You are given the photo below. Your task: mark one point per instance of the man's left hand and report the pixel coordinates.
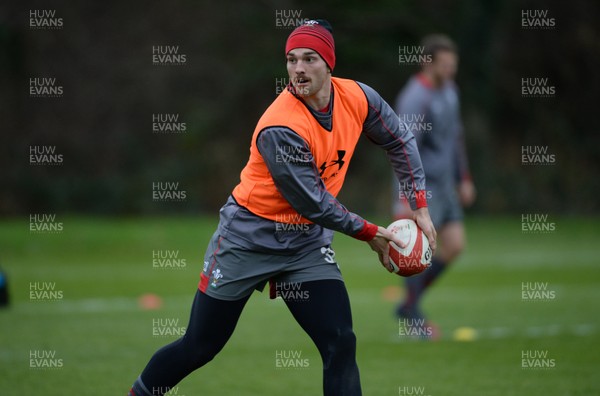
(423, 220)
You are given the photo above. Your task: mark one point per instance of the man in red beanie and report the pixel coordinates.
(277, 226)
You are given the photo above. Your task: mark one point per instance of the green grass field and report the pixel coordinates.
(102, 338)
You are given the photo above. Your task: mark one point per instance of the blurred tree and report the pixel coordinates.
(102, 124)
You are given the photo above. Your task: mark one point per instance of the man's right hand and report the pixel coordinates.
(381, 245)
(467, 193)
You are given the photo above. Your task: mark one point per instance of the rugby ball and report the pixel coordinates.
(416, 256)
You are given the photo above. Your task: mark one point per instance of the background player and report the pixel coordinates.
(299, 155)
(429, 107)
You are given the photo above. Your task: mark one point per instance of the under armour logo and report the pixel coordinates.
(339, 162)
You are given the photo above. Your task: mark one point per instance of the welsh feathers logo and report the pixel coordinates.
(216, 276)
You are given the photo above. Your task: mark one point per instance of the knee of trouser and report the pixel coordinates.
(343, 341)
(198, 354)
(340, 349)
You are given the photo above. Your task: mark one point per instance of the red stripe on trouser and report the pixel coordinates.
(203, 284)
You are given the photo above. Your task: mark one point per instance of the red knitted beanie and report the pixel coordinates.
(316, 37)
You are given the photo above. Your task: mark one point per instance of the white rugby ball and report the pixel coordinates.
(416, 256)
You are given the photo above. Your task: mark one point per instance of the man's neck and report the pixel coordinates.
(320, 99)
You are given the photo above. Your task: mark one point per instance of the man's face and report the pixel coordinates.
(444, 66)
(308, 72)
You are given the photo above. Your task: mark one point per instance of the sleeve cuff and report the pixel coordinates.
(421, 199)
(367, 233)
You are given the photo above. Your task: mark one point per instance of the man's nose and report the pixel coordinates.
(299, 68)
